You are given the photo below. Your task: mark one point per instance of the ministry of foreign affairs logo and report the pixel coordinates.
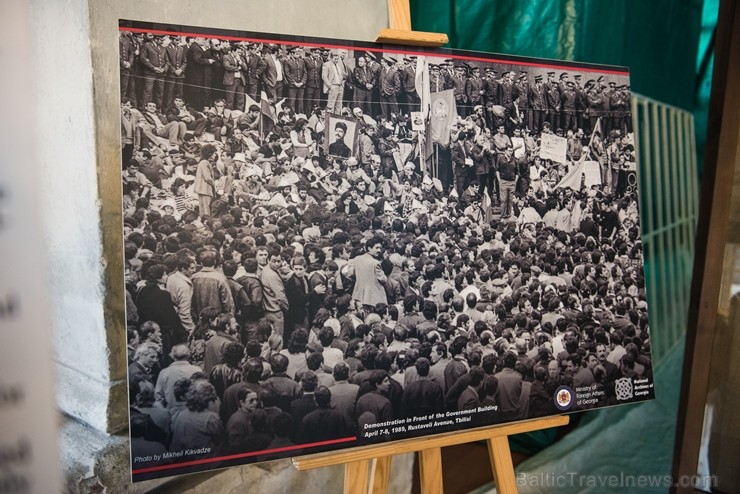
(623, 388)
(440, 109)
(564, 398)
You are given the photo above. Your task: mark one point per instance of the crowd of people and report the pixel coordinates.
(282, 291)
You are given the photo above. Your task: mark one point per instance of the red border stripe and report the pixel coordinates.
(379, 50)
(204, 461)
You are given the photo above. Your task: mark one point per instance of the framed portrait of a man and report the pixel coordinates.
(340, 136)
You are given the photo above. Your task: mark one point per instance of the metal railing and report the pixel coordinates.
(668, 188)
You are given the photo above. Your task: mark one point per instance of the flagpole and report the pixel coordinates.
(591, 139)
(436, 160)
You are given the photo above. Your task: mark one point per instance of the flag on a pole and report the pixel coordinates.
(248, 101)
(596, 127)
(583, 169)
(442, 114)
(279, 107)
(486, 204)
(266, 108)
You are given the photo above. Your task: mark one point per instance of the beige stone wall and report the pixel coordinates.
(76, 63)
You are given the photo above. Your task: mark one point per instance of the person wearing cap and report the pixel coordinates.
(362, 80)
(295, 78)
(251, 71)
(458, 81)
(374, 67)
(355, 173)
(312, 94)
(506, 89)
(609, 100)
(522, 89)
(552, 97)
(154, 58)
(563, 81)
(339, 146)
(622, 113)
(177, 58)
(250, 187)
(436, 79)
(595, 99)
(474, 89)
(390, 87)
(490, 88)
(272, 73)
(411, 99)
(569, 100)
(127, 56)
(618, 106)
(538, 104)
(581, 102)
(333, 75)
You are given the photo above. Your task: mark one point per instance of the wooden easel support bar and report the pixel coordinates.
(367, 468)
(400, 33)
(367, 453)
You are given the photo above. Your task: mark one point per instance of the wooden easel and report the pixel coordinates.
(367, 468)
(400, 33)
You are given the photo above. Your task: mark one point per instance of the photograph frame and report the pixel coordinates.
(352, 134)
(280, 190)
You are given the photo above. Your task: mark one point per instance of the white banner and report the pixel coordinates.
(553, 148)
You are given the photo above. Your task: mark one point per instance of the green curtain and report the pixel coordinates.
(656, 39)
(663, 42)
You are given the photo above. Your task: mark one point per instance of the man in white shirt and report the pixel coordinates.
(333, 74)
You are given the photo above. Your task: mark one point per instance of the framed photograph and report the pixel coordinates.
(474, 257)
(341, 134)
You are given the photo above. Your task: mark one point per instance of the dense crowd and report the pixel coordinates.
(283, 290)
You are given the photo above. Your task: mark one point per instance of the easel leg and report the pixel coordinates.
(380, 475)
(501, 464)
(356, 477)
(430, 471)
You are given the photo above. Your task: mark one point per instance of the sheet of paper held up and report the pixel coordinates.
(28, 435)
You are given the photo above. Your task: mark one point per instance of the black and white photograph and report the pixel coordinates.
(331, 244)
(341, 136)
